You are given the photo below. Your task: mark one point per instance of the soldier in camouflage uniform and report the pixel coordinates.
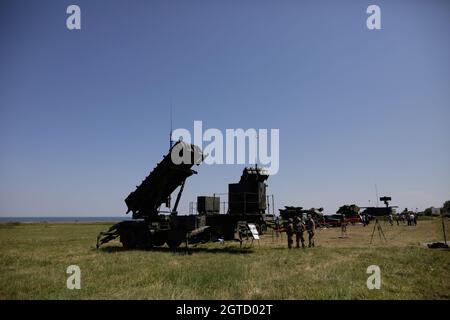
(343, 226)
(311, 228)
(290, 232)
(299, 229)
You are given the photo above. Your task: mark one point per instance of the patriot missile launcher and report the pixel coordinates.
(150, 226)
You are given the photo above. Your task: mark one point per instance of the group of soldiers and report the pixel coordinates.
(297, 226)
(405, 217)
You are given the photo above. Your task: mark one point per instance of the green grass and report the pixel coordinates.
(34, 258)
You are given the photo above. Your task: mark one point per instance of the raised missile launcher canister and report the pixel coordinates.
(149, 228)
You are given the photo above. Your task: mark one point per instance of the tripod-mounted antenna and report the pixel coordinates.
(377, 224)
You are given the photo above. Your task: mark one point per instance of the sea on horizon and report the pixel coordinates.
(42, 219)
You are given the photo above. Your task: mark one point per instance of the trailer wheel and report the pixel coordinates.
(263, 228)
(128, 239)
(159, 239)
(143, 240)
(173, 244)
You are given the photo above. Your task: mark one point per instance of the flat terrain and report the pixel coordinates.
(34, 258)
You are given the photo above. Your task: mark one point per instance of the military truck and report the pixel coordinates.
(150, 227)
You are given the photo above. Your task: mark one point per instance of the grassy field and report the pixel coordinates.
(34, 258)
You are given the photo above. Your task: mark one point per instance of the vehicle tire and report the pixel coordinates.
(173, 244)
(263, 228)
(159, 239)
(143, 240)
(128, 238)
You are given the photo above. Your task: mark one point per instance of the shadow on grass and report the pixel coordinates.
(293, 248)
(181, 250)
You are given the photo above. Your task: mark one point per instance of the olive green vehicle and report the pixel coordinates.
(150, 227)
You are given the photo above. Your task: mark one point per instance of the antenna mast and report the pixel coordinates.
(170, 133)
(376, 192)
(169, 198)
(257, 148)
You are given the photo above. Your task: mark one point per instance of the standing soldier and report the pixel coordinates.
(343, 226)
(405, 216)
(290, 232)
(410, 218)
(299, 229)
(414, 219)
(277, 226)
(311, 227)
(391, 219)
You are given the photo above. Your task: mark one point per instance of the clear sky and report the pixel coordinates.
(84, 114)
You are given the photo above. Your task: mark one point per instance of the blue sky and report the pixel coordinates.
(84, 115)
